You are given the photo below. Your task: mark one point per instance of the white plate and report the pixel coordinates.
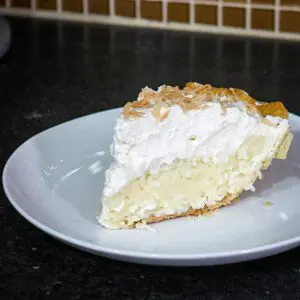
(55, 180)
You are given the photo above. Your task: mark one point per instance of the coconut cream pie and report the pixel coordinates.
(181, 152)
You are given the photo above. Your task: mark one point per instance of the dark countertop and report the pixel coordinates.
(58, 71)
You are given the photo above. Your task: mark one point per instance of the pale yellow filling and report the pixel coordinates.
(190, 184)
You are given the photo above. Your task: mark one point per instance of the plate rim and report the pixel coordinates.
(118, 254)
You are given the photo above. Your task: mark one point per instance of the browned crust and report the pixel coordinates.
(275, 109)
(194, 212)
(196, 96)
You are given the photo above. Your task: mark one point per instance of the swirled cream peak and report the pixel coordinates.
(198, 122)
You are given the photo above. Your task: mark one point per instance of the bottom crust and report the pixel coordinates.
(206, 210)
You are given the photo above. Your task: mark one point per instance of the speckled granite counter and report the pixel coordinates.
(58, 71)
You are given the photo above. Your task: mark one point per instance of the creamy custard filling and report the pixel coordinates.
(187, 185)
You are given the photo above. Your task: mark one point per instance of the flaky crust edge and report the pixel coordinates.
(207, 210)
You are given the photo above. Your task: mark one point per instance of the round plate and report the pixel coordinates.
(55, 180)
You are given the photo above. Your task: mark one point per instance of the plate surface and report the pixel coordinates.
(55, 180)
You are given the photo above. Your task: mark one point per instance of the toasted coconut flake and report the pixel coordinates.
(196, 96)
(191, 84)
(243, 96)
(183, 105)
(164, 115)
(136, 114)
(252, 108)
(233, 94)
(141, 103)
(197, 105)
(126, 110)
(188, 100)
(149, 94)
(156, 112)
(274, 108)
(129, 112)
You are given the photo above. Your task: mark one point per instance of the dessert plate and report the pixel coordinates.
(55, 180)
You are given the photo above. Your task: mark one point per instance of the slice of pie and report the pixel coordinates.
(180, 152)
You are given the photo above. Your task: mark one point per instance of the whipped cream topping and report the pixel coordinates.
(145, 144)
